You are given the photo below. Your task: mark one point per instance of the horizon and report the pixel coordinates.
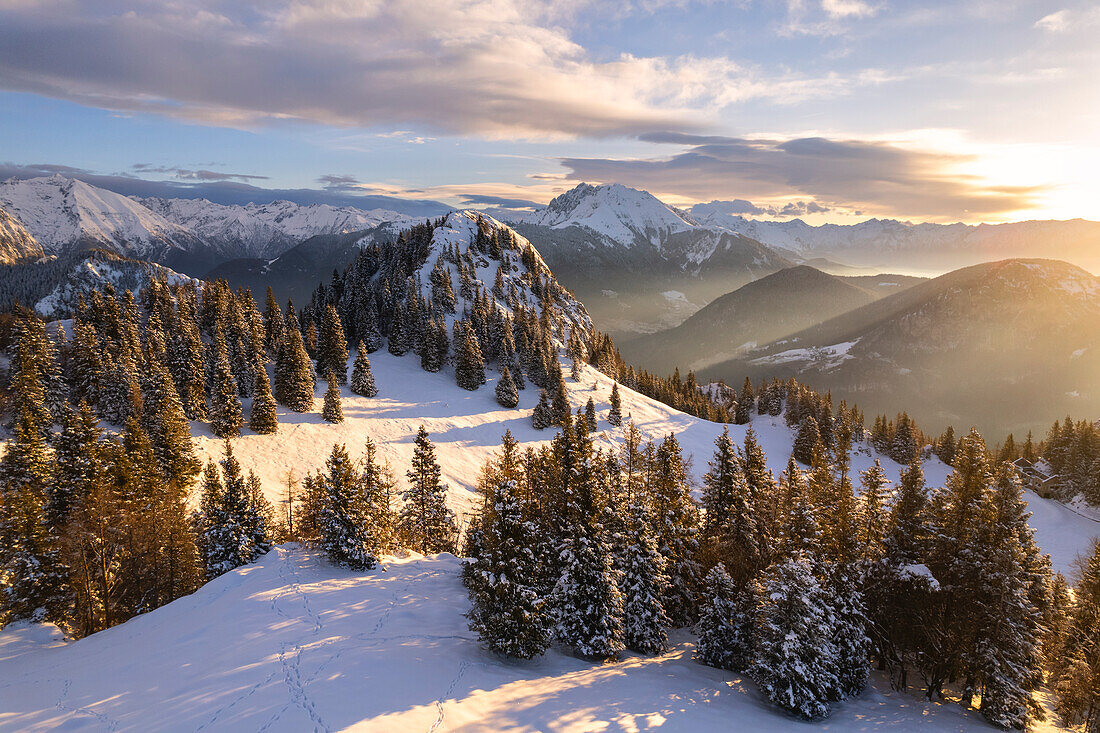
(835, 111)
(307, 197)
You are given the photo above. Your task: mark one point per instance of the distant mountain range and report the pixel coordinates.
(756, 314)
(1002, 345)
(64, 215)
(642, 265)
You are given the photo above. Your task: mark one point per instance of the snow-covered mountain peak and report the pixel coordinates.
(266, 230)
(61, 212)
(625, 215)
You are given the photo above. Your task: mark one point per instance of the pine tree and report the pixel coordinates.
(226, 522)
(590, 415)
(34, 583)
(726, 622)
(294, 382)
(587, 601)
(433, 352)
(362, 379)
(332, 347)
(170, 432)
(79, 464)
(331, 412)
(262, 417)
(644, 585)
(342, 519)
(804, 442)
(469, 364)
(615, 415)
(542, 418)
(745, 400)
(426, 523)
(873, 510)
(506, 611)
(675, 521)
(794, 655)
(226, 416)
(729, 522)
(506, 393)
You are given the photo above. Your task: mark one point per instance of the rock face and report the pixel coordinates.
(16, 243)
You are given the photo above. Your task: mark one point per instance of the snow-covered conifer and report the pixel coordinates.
(332, 412)
(506, 393)
(362, 379)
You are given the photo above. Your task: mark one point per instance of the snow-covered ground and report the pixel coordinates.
(295, 644)
(466, 428)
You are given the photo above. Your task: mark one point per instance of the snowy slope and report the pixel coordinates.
(466, 428)
(64, 214)
(624, 215)
(16, 243)
(265, 230)
(295, 644)
(94, 272)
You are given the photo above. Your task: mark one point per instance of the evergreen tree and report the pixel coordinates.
(79, 464)
(615, 415)
(294, 382)
(433, 352)
(794, 664)
(804, 442)
(542, 417)
(262, 417)
(343, 515)
(506, 393)
(725, 627)
(675, 521)
(331, 411)
(226, 522)
(745, 400)
(226, 416)
(506, 611)
(644, 586)
(590, 415)
(170, 432)
(469, 364)
(332, 347)
(873, 510)
(33, 578)
(426, 523)
(362, 379)
(729, 522)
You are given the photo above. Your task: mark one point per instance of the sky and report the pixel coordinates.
(830, 110)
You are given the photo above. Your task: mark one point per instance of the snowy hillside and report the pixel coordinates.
(94, 272)
(16, 243)
(466, 428)
(294, 644)
(64, 214)
(624, 215)
(265, 230)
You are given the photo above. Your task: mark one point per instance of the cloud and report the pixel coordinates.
(881, 177)
(1055, 22)
(496, 68)
(337, 182)
(740, 207)
(848, 8)
(227, 191)
(477, 200)
(196, 175)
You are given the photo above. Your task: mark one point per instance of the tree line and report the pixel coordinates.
(799, 582)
